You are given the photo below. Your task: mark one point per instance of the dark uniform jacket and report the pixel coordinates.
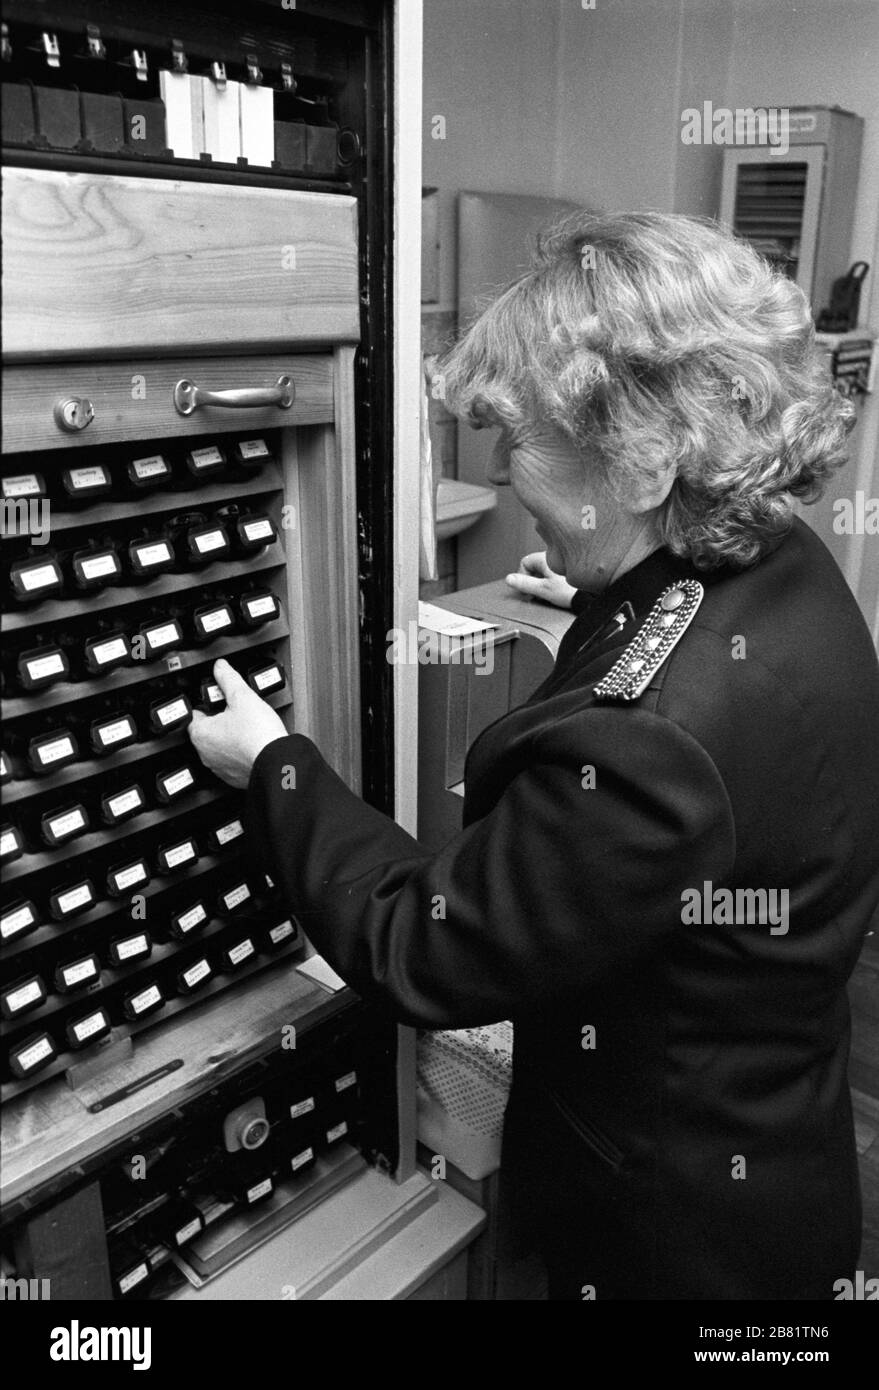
(680, 1122)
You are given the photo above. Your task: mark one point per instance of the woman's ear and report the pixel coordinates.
(652, 494)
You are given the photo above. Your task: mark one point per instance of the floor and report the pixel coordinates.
(864, 1077)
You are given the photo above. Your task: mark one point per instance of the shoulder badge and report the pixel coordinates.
(657, 638)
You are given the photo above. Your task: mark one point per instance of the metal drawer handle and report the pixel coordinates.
(188, 397)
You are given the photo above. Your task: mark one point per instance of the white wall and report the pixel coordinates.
(826, 52)
(491, 70)
(546, 97)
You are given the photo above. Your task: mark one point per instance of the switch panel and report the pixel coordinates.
(127, 892)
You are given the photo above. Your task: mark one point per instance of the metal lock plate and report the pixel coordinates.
(74, 414)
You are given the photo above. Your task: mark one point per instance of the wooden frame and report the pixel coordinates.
(103, 265)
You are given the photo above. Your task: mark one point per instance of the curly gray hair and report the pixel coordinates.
(658, 341)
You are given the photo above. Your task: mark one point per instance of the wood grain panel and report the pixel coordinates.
(134, 399)
(102, 265)
(319, 479)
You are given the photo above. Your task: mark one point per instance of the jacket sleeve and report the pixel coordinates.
(562, 886)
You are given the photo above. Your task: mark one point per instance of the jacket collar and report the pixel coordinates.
(597, 626)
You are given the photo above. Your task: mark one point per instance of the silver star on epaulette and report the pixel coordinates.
(657, 638)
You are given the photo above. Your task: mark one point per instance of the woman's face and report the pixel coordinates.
(590, 537)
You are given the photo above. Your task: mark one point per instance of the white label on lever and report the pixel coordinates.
(225, 833)
(156, 554)
(162, 636)
(253, 449)
(40, 577)
(66, 824)
(83, 970)
(151, 467)
(196, 973)
(241, 952)
(44, 666)
(177, 782)
(126, 801)
(206, 458)
(98, 566)
(75, 898)
(87, 1026)
(180, 854)
(17, 921)
(37, 1052)
(114, 650)
(8, 842)
(18, 999)
(236, 896)
(52, 752)
(127, 878)
(89, 477)
(175, 710)
(260, 607)
(258, 530)
(134, 946)
(187, 920)
(112, 733)
(208, 541)
(145, 999)
(186, 1232)
(219, 617)
(23, 485)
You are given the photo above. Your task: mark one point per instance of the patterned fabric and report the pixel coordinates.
(464, 1080)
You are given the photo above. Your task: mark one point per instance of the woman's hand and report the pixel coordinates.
(229, 743)
(536, 579)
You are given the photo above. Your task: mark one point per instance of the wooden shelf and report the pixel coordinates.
(176, 1005)
(72, 692)
(28, 788)
(160, 501)
(129, 830)
(90, 606)
(113, 976)
(48, 1134)
(107, 908)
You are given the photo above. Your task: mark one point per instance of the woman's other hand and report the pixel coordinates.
(229, 743)
(537, 580)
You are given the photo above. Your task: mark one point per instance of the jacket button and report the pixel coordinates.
(673, 600)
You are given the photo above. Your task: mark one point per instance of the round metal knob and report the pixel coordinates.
(254, 1133)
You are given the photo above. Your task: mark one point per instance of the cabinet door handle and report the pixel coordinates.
(188, 397)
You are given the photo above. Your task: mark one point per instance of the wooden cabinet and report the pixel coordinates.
(123, 277)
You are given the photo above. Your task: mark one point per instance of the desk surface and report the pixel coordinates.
(497, 603)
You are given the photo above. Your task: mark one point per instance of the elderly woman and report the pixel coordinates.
(670, 855)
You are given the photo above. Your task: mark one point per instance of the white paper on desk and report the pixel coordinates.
(449, 624)
(317, 969)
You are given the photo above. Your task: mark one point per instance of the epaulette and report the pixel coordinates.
(657, 638)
